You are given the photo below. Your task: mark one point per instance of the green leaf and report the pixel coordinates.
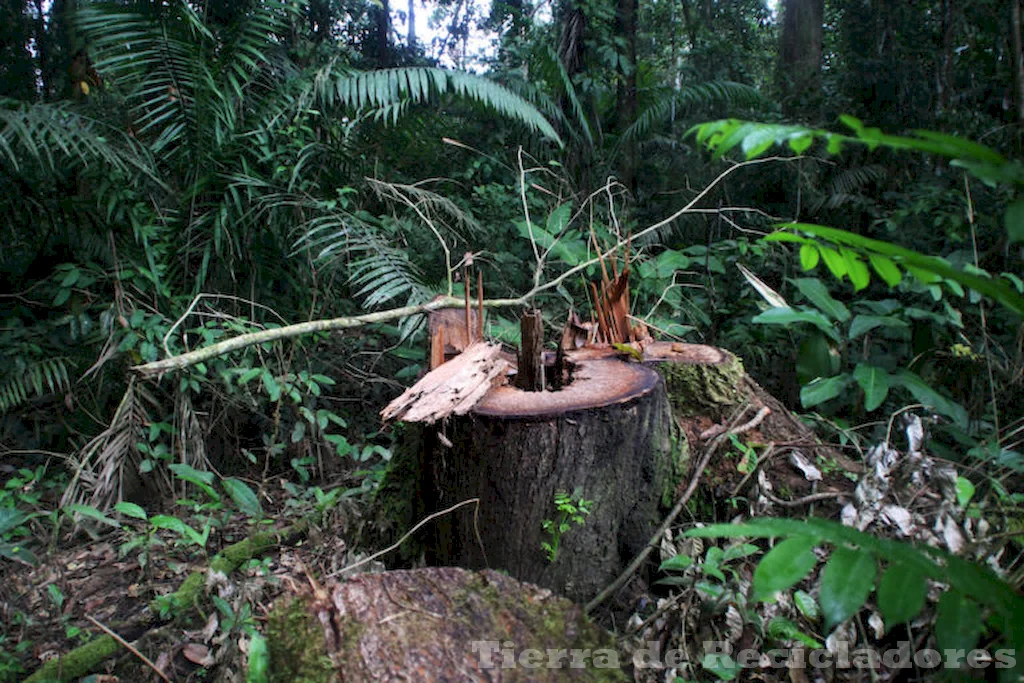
(816, 358)
(886, 269)
(243, 496)
(92, 513)
(821, 390)
(131, 510)
(858, 271)
(925, 394)
(846, 582)
(809, 256)
(958, 623)
(1015, 221)
(271, 385)
(789, 316)
(862, 324)
(806, 604)
(964, 491)
(801, 143)
(901, 594)
(835, 262)
(817, 293)
(721, 665)
(875, 383)
(676, 563)
(259, 660)
(784, 565)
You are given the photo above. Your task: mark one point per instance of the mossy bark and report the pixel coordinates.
(435, 624)
(701, 389)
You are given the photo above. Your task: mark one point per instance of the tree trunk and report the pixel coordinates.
(800, 53)
(1018, 61)
(626, 90)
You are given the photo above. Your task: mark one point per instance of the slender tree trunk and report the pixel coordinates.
(800, 52)
(944, 70)
(625, 24)
(1018, 61)
(412, 24)
(382, 34)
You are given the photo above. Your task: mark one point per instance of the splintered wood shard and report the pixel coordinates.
(454, 388)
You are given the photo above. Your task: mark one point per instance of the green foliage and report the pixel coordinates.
(852, 571)
(570, 511)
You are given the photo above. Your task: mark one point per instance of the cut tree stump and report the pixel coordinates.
(621, 433)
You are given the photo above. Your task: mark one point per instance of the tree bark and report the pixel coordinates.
(518, 449)
(626, 90)
(1018, 61)
(800, 53)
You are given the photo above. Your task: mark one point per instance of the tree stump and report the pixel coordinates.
(606, 437)
(621, 433)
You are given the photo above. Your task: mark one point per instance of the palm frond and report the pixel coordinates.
(686, 100)
(105, 466)
(384, 87)
(845, 187)
(57, 136)
(40, 378)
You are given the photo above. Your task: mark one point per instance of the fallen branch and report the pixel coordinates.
(85, 658)
(131, 648)
(251, 339)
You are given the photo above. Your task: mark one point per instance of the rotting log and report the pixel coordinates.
(435, 624)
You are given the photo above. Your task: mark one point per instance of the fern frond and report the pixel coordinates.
(845, 187)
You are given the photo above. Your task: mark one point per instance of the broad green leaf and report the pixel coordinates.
(756, 143)
(676, 563)
(964, 491)
(925, 394)
(806, 604)
(835, 262)
(721, 665)
(1015, 221)
(92, 513)
(271, 385)
(559, 218)
(886, 269)
(203, 480)
(817, 293)
(821, 390)
(809, 256)
(958, 623)
(858, 271)
(243, 496)
(862, 324)
(901, 594)
(846, 582)
(789, 316)
(171, 524)
(816, 358)
(259, 660)
(784, 565)
(739, 551)
(875, 383)
(131, 510)
(801, 142)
